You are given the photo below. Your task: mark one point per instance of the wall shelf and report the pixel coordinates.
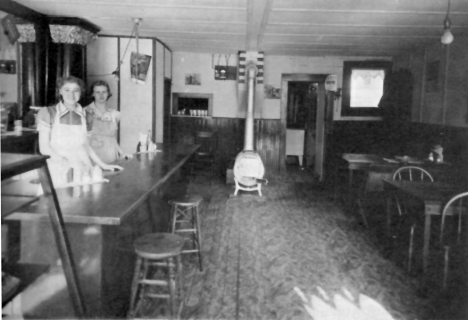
(192, 101)
(187, 116)
(14, 164)
(27, 273)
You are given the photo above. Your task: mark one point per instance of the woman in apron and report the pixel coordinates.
(63, 134)
(105, 122)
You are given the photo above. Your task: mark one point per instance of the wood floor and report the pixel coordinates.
(261, 252)
(296, 254)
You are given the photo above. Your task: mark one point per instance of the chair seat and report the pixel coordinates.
(157, 246)
(186, 200)
(204, 158)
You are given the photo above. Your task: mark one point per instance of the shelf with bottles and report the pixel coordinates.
(192, 114)
(192, 104)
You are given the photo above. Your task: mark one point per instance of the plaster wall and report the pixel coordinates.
(225, 92)
(440, 96)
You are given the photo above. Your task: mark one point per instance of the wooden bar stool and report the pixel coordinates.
(158, 265)
(184, 220)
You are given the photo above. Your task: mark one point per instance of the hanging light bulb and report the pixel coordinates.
(447, 36)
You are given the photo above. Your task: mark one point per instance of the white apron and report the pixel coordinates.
(69, 142)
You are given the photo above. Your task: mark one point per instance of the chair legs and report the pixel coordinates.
(411, 248)
(446, 266)
(185, 220)
(361, 212)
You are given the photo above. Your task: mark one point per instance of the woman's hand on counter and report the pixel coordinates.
(112, 167)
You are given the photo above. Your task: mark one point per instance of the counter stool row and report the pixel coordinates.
(159, 256)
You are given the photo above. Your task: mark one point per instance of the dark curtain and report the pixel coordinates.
(397, 97)
(396, 103)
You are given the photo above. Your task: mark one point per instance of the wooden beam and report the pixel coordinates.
(257, 18)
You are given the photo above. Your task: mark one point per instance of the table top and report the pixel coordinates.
(110, 203)
(16, 163)
(428, 192)
(362, 158)
(368, 159)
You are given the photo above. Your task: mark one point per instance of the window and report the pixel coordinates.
(363, 83)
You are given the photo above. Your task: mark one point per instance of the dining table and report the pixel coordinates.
(103, 219)
(362, 161)
(432, 195)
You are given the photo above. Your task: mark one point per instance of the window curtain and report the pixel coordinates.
(397, 97)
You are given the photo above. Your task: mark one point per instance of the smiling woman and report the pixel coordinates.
(105, 121)
(63, 134)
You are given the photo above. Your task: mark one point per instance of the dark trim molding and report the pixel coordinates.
(71, 21)
(20, 11)
(154, 93)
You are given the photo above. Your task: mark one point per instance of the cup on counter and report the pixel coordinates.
(18, 127)
(97, 174)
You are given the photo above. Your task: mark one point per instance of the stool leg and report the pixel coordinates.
(198, 236)
(173, 218)
(171, 283)
(141, 294)
(180, 278)
(136, 276)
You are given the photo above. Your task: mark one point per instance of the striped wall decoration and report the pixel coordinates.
(245, 57)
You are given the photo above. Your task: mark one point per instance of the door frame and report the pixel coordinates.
(319, 145)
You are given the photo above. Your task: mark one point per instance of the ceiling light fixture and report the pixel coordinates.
(447, 36)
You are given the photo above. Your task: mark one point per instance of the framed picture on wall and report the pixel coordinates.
(139, 67)
(193, 79)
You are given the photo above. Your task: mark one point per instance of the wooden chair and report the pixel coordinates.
(410, 173)
(456, 206)
(204, 159)
(157, 251)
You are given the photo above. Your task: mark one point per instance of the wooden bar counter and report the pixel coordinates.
(102, 221)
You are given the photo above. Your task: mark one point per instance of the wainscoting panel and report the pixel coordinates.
(230, 135)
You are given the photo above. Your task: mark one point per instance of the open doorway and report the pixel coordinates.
(301, 116)
(314, 139)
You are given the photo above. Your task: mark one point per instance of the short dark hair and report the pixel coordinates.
(62, 81)
(101, 83)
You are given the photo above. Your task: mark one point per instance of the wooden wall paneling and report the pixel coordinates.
(456, 99)
(230, 133)
(419, 85)
(445, 58)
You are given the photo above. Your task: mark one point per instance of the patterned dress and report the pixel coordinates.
(103, 138)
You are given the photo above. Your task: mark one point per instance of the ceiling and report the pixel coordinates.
(277, 27)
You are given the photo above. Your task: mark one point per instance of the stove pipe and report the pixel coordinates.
(252, 71)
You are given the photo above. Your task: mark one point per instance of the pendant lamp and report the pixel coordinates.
(447, 36)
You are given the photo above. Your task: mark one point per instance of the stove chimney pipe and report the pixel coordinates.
(252, 71)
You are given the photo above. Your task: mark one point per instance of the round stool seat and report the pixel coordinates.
(186, 200)
(158, 245)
